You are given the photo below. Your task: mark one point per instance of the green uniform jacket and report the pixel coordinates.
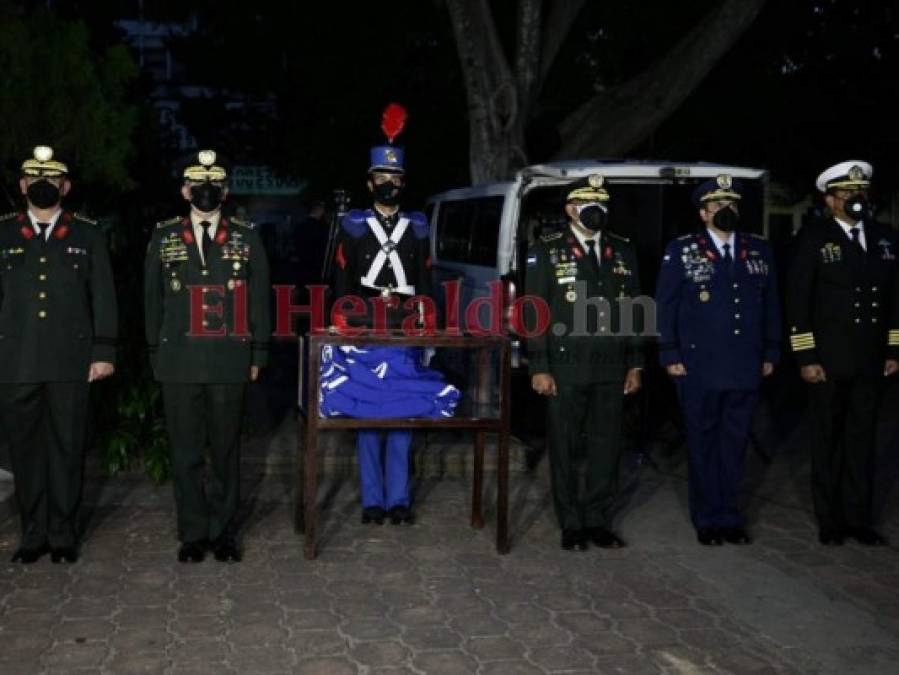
(230, 326)
(557, 264)
(57, 301)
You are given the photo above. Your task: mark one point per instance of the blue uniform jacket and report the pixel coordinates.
(721, 325)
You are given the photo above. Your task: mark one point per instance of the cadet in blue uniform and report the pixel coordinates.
(719, 325)
(383, 252)
(58, 328)
(843, 313)
(205, 362)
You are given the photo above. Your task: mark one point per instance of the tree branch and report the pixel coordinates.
(527, 59)
(558, 25)
(615, 121)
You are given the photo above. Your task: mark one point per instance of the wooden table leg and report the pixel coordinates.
(477, 486)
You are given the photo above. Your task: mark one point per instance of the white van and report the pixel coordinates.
(480, 234)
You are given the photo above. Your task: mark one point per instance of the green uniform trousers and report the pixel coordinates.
(592, 411)
(46, 424)
(200, 416)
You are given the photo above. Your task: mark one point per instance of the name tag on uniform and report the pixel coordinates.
(831, 253)
(72, 250)
(566, 280)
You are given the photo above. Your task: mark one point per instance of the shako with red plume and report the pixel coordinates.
(389, 158)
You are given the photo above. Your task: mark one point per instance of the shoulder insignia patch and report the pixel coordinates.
(550, 236)
(83, 218)
(244, 223)
(169, 222)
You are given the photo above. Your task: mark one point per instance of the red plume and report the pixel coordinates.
(393, 120)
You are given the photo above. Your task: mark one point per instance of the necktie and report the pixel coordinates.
(855, 232)
(43, 230)
(728, 258)
(591, 254)
(207, 241)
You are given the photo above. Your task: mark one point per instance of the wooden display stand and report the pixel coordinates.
(306, 507)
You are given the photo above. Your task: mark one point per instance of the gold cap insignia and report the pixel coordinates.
(43, 153)
(856, 173)
(206, 157)
(725, 182)
(390, 156)
(595, 181)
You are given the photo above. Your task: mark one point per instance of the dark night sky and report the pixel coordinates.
(809, 84)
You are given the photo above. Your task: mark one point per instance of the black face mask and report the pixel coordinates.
(387, 193)
(206, 197)
(856, 207)
(43, 194)
(726, 219)
(593, 217)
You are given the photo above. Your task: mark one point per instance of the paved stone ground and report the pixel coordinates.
(436, 598)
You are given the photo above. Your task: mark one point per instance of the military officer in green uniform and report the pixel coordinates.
(586, 359)
(208, 326)
(58, 328)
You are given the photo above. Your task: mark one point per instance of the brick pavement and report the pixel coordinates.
(435, 597)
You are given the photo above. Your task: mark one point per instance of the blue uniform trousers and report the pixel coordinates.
(384, 471)
(717, 424)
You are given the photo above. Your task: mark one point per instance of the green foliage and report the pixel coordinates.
(58, 90)
(138, 432)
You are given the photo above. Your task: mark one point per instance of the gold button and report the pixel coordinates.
(857, 320)
(736, 316)
(736, 285)
(874, 304)
(42, 295)
(204, 272)
(205, 307)
(205, 289)
(736, 301)
(736, 331)
(874, 288)
(42, 277)
(43, 259)
(205, 324)
(42, 314)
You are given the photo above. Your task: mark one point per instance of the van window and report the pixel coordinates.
(468, 229)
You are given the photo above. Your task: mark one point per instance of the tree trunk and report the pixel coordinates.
(495, 120)
(613, 122)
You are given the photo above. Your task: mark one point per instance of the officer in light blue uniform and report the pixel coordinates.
(383, 253)
(719, 324)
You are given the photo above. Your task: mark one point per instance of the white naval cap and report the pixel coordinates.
(851, 174)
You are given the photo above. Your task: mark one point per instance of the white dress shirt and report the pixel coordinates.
(198, 229)
(583, 239)
(719, 242)
(46, 231)
(847, 228)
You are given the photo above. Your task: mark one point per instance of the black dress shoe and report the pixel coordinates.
(867, 537)
(709, 537)
(736, 535)
(28, 556)
(605, 538)
(830, 537)
(400, 515)
(192, 551)
(574, 540)
(226, 549)
(66, 554)
(373, 514)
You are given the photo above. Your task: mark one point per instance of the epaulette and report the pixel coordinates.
(83, 218)
(419, 222)
(550, 236)
(354, 224)
(9, 216)
(244, 223)
(169, 222)
(619, 237)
